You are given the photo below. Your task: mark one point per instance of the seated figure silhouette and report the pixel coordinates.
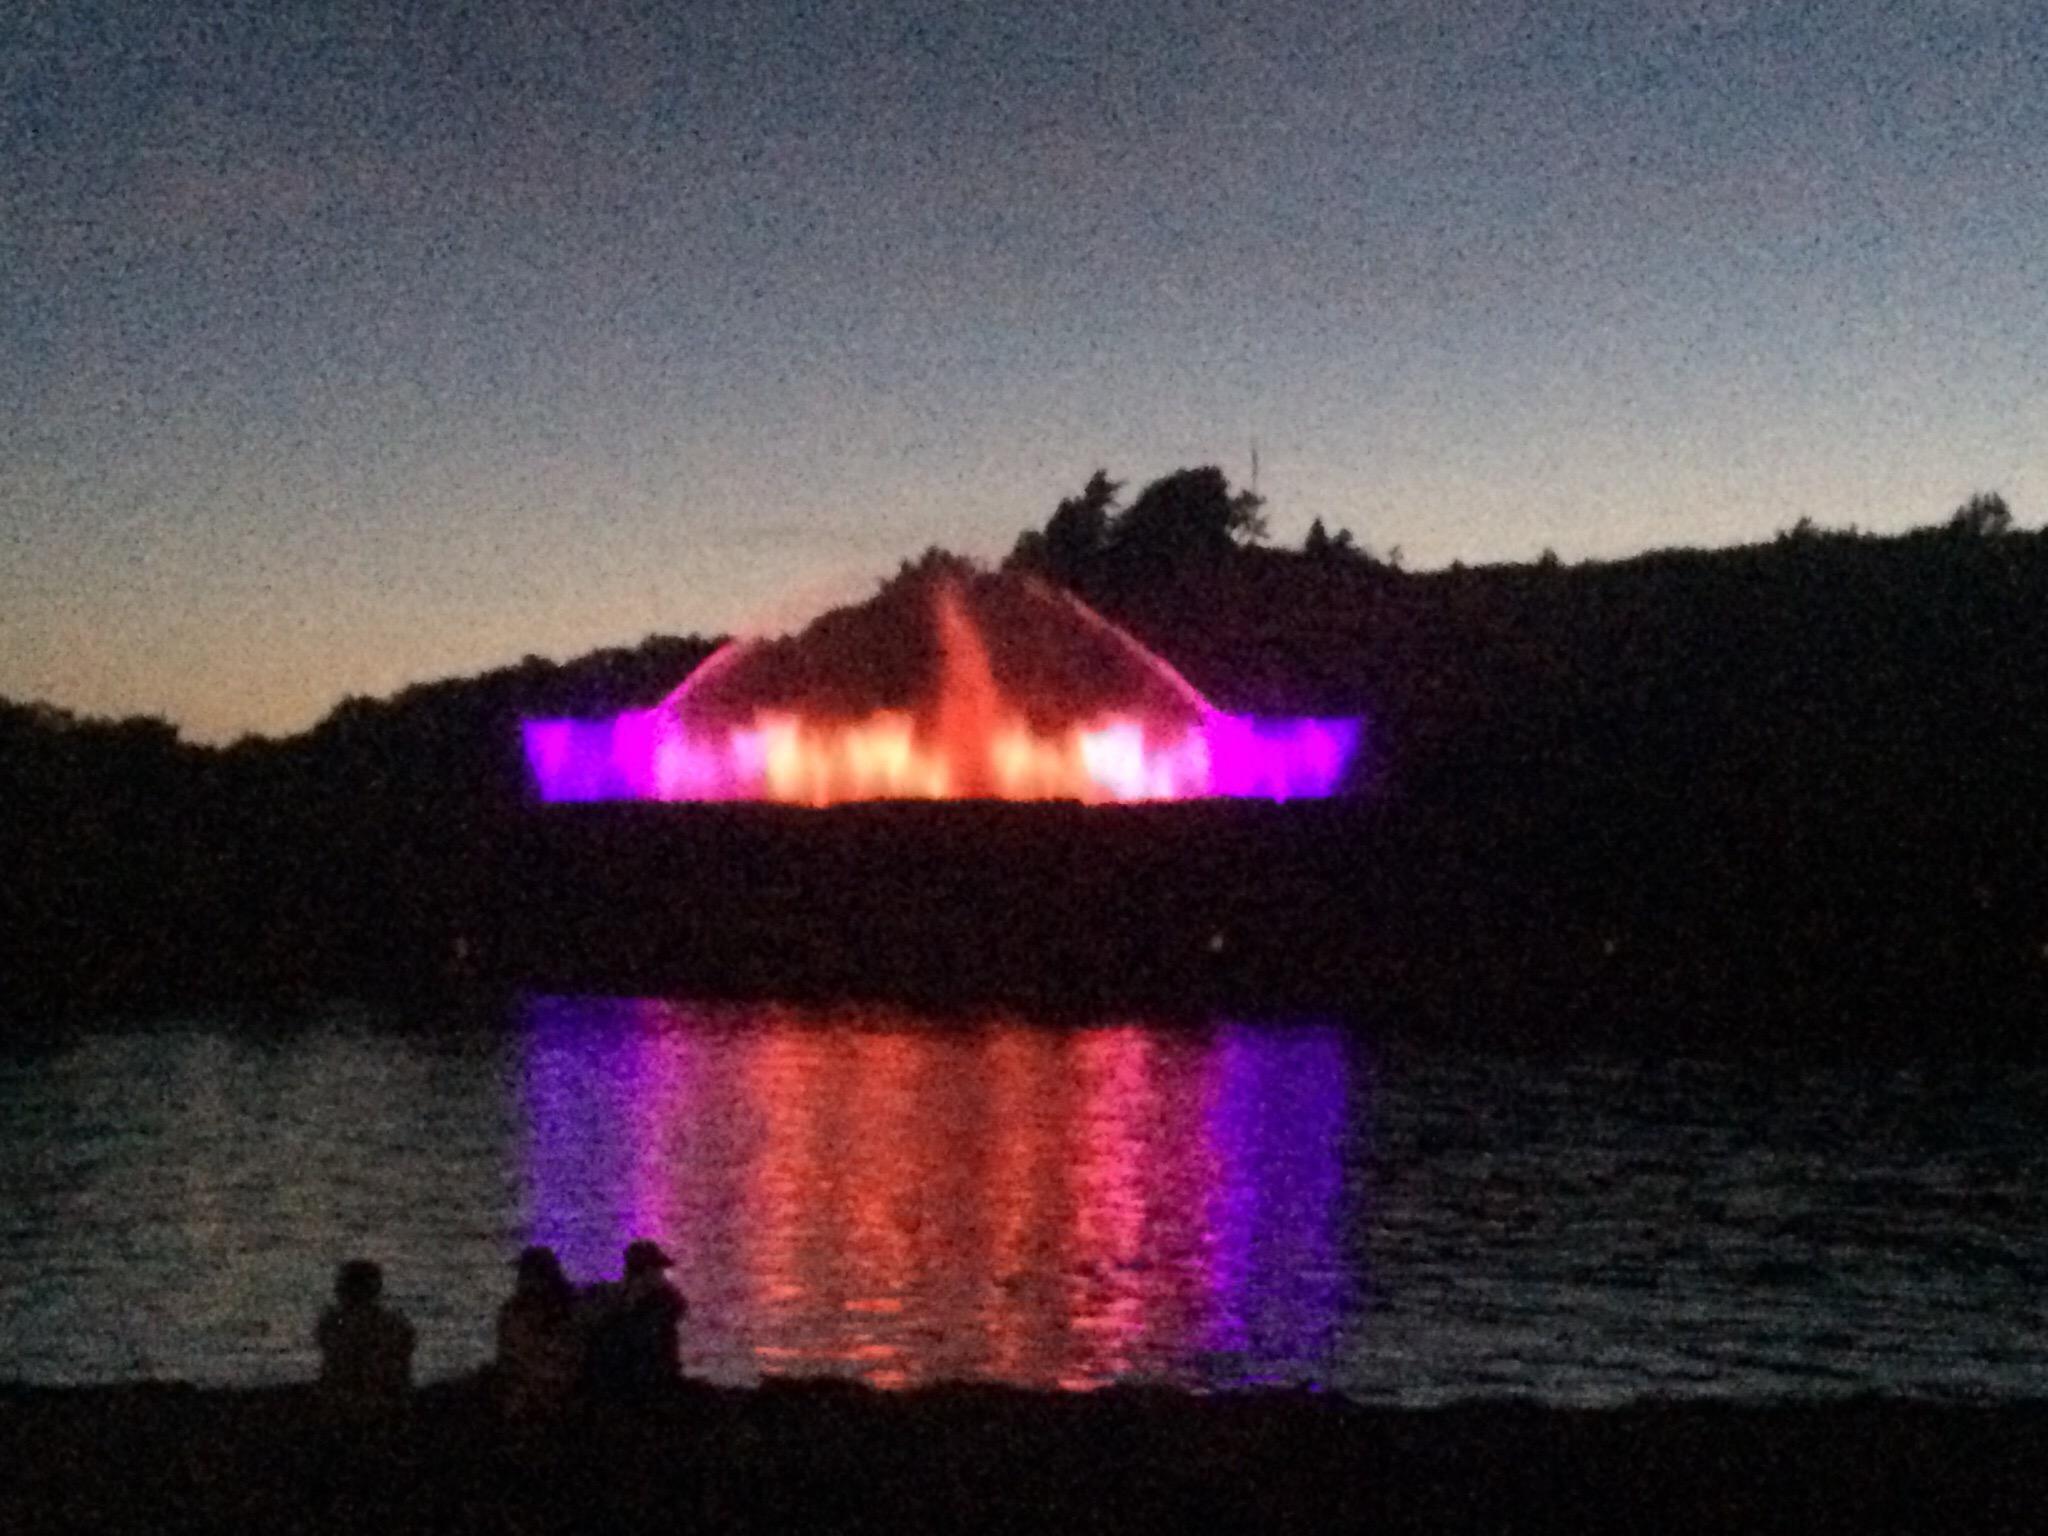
(540, 1350)
(365, 1346)
(633, 1327)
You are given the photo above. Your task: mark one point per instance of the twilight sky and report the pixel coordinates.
(338, 354)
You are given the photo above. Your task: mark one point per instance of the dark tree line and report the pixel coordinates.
(1800, 773)
(145, 868)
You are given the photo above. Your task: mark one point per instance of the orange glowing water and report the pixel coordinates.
(966, 737)
(971, 742)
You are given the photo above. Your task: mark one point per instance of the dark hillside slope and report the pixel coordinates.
(1791, 781)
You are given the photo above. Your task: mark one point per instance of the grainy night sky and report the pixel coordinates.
(341, 353)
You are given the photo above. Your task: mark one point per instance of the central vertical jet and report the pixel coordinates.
(970, 710)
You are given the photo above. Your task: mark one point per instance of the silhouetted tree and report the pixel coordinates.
(1984, 515)
(1189, 515)
(933, 565)
(1074, 536)
(1323, 546)
(1079, 526)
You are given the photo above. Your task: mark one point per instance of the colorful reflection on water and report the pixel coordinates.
(869, 1194)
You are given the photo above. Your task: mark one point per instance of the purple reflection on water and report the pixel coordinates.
(603, 1088)
(1276, 1126)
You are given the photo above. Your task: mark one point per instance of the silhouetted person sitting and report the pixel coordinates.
(540, 1351)
(634, 1326)
(365, 1346)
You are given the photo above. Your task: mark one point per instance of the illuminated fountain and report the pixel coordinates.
(948, 685)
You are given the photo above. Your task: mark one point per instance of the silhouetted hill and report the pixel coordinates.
(1787, 779)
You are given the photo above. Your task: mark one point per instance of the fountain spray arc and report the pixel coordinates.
(966, 738)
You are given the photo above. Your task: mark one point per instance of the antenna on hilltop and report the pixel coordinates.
(1255, 466)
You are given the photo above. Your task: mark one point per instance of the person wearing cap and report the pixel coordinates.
(635, 1326)
(365, 1347)
(540, 1351)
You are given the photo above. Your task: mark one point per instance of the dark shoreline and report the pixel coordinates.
(821, 1455)
(1402, 923)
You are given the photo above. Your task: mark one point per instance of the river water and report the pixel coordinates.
(863, 1192)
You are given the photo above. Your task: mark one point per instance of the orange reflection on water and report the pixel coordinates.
(1021, 1066)
(1109, 1209)
(776, 1075)
(879, 1160)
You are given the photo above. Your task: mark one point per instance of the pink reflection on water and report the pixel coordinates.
(1022, 1067)
(661, 1117)
(884, 1171)
(867, 1194)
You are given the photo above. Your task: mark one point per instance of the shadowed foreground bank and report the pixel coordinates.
(825, 1456)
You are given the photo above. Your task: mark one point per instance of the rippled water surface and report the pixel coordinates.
(867, 1193)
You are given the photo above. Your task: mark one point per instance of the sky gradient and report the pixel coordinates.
(342, 354)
